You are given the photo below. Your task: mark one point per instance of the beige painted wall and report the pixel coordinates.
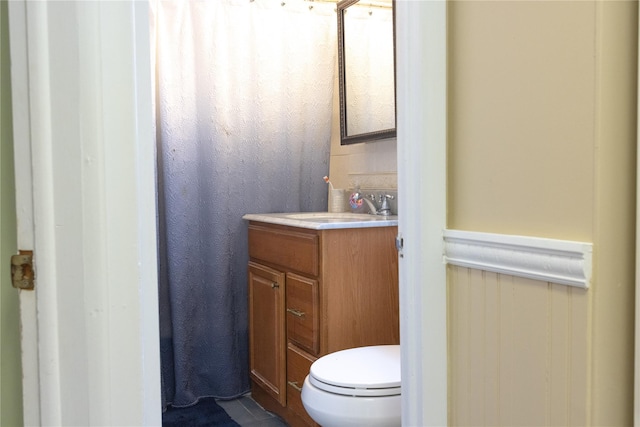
(522, 117)
(10, 369)
(542, 137)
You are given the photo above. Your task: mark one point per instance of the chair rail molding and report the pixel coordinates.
(548, 260)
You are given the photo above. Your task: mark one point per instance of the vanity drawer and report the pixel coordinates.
(302, 312)
(298, 365)
(292, 248)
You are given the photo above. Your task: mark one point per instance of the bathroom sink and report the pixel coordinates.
(325, 220)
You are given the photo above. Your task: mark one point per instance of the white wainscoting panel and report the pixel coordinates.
(549, 260)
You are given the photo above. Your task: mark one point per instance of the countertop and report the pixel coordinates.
(324, 220)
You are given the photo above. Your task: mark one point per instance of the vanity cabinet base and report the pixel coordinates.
(314, 292)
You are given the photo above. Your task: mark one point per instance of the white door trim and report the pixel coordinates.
(24, 204)
(85, 158)
(421, 55)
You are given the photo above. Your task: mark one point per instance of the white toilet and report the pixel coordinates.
(355, 387)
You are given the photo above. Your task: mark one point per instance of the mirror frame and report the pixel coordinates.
(369, 136)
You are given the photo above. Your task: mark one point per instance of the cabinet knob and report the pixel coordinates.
(274, 285)
(295, 312)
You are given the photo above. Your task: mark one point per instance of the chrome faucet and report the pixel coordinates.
(383, 199)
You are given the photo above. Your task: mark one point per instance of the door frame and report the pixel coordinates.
(85, 188)
(125, 201)
(421, 77)
(24, 205)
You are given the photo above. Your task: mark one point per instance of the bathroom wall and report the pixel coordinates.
(542, 142)
(10, 367)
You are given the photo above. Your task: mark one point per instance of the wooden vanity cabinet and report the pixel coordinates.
(314, 292)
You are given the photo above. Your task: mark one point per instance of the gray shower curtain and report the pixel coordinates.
(244, 95)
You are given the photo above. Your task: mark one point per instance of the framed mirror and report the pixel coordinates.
(366, 67)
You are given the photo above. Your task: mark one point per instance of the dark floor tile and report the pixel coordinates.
(246, 412)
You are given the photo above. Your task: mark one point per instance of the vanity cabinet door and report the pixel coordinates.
(267, 330)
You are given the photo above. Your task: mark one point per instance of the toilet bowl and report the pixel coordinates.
(355, 387)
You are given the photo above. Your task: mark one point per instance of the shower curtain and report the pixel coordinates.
(244, 94)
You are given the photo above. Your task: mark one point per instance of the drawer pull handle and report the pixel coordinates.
(295, 312)
(294, 384)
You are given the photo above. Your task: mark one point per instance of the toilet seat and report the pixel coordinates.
(372, 371)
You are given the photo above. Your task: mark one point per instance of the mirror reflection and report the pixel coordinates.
(367, 70)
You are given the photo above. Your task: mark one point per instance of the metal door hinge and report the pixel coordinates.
(22, 275)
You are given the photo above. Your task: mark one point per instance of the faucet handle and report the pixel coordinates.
(384, 200)
(385, 208)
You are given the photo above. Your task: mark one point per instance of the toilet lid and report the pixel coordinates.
(361, 371)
